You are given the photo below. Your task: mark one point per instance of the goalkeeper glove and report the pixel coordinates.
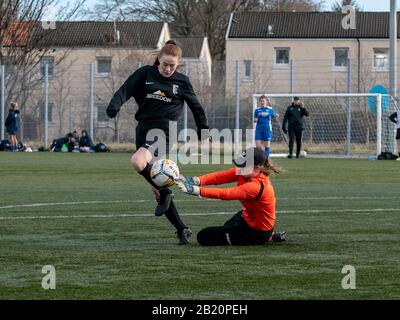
(186, 187)
(191, 180)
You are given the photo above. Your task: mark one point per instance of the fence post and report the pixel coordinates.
(379, 124)
(292, 75)
(46, 106)
(349, 108)
(2, 103)
(237, 126)
(91, 100)
(185, 108)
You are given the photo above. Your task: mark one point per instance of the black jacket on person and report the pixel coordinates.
(85, 140)
(159, 99)
(394, 118)
(294, 116)
(12, 121)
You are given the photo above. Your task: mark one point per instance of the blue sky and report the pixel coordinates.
(368, 5)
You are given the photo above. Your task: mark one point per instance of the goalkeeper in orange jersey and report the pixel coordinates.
(254, 223)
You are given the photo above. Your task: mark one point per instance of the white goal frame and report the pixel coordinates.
(378, 97)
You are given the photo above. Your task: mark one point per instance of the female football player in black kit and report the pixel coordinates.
(160, 92)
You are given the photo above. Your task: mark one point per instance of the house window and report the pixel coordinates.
(101, 112)
(247, 69)
(341, 57)
(282, 56)
(381, 58)
(103, 65)
(50, 62)
(49, 111)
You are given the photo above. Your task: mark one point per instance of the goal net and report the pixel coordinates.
(348, 125)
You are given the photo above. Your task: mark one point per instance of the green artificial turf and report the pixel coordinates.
(91, 217)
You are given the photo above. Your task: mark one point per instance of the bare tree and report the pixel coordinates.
(23, 35)
(338, 5)
(63, 94)
(293, 5)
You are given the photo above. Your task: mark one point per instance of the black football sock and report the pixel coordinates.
(173, 217)
(146, 174)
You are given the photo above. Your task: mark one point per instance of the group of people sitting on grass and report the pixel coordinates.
(71, 142)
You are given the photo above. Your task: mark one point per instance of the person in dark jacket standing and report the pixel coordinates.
(395, 118)
(294, 116)
(160, 92)
(12, 124)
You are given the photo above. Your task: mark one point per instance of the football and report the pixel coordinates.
(164, 172)
(303, 154)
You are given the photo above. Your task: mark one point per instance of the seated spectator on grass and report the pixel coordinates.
(85, 142)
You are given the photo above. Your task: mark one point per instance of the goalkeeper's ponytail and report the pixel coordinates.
(269, 170)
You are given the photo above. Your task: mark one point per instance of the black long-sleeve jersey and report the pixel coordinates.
(160, 99)
(294, 116)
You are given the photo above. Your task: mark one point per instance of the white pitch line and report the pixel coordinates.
(32, 205)
(139, 215)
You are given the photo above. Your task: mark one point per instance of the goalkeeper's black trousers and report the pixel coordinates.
(234, 232)
(298, 134)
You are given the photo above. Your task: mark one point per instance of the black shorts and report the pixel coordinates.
(398, 134)
(11, 132)
(146, 139)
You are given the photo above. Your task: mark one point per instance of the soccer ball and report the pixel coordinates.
(303, 154)
(164, 172)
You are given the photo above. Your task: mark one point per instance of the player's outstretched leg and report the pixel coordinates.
(140, 161)
(182, 231)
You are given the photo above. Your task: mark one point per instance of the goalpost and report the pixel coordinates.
(346, 125)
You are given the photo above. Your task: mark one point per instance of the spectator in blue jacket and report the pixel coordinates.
(12, 125)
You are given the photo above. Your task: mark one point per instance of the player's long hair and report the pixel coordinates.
(171, 49)
(268, 169)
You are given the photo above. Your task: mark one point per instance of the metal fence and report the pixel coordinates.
(57, 99)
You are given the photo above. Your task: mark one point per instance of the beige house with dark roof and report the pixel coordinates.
(197, 61)
(115, 50)
(307, 52)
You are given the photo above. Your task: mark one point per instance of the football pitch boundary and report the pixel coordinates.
(46, 204)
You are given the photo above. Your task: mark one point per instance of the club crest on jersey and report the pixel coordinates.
(175, 89)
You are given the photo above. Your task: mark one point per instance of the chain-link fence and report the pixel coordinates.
(76, 95)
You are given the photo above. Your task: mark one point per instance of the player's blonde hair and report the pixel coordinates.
(264, 97)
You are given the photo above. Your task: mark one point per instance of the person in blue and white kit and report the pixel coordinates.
(262, 117)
